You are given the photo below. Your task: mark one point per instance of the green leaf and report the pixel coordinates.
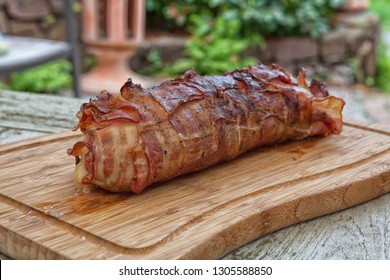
(222, 29)
(50, 77)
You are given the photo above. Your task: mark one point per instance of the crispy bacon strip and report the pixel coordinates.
(140, 136)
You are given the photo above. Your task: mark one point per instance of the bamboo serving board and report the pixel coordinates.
(203, 215)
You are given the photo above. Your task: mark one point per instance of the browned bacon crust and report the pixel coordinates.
(142, 136)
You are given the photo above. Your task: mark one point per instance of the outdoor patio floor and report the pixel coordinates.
(364, 104)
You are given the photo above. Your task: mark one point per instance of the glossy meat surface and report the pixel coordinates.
(142, 136)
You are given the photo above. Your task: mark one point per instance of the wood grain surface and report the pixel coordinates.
(204, 215)
(24, 115)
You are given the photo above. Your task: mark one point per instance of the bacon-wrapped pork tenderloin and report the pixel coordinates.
(142, 136)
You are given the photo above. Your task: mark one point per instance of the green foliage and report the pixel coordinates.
(382, 8)
(3, 86)
(47, 78)
(382, 80)
(49, 20)
(214, 47)
(155, 64)
(222, 29)
(275, 17)
(89, 63)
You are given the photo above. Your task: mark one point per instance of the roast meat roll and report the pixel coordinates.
(142, 136)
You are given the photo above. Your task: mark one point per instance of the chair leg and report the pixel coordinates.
(76, 71)
(71, 27)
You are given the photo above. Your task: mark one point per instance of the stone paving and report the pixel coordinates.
(364, 104)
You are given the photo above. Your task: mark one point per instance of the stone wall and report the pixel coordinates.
(34, 18)
(344, 55)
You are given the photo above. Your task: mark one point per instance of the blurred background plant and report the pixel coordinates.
(52, 77)
(276, 17)
(382, 79)
(382, 9)
(214, 47)
(48, 78)
(222, 29)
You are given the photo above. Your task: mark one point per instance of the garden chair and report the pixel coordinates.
(27, 52)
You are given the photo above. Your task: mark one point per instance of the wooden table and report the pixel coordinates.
(360, 232)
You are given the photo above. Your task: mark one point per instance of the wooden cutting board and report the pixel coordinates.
(203, 215)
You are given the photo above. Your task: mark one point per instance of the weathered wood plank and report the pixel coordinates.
(359, 233)
(24, 115)
(11, 134)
